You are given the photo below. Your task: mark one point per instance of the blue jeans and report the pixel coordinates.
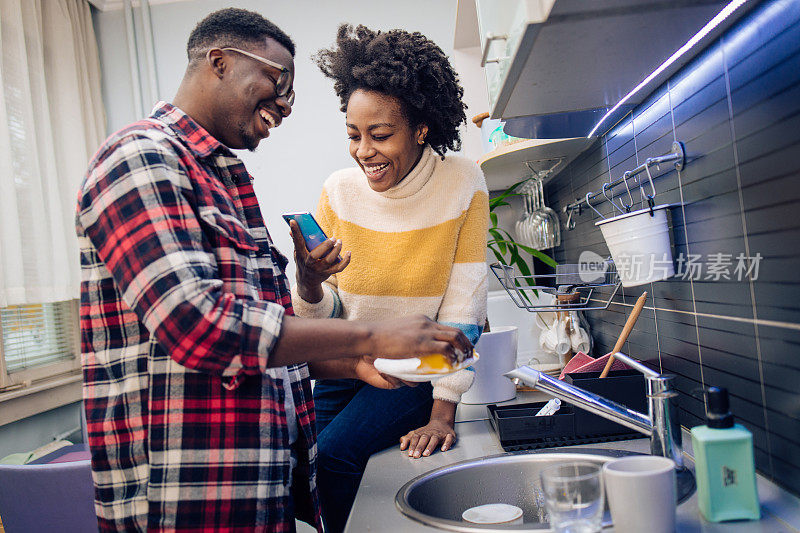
(354, 421)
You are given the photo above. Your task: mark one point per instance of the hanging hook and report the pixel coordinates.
(650, 197)
(570, 225)
(627, 206)
(586, 199)
(606, 187)
(650, 177)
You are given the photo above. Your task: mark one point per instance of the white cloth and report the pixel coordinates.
(288, 404)
(51, 122)
(291, 420)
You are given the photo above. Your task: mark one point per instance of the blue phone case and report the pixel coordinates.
(312, 233)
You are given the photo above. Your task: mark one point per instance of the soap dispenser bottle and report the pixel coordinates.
(724, 465)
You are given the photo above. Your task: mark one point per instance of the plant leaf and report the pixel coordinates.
(508, 235)
(525, 271)
(540, 255)
(498, 255)
(535, 253)
(508, 192)
(492, 206)
(498, 240)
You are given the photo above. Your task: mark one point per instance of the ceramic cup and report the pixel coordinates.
(641, 494)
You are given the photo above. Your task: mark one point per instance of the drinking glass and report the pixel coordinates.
(521, 228)
(554, 231)
(536, 221)
(573, 495)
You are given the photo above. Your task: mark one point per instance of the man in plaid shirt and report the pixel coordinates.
(196, 387)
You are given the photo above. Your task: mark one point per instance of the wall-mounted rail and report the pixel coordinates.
(676, 156)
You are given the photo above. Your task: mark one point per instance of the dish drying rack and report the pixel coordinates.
(569, 279)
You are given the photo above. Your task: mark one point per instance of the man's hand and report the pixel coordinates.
(315, 266)
(312, 340)
(423, 441)
(410, 336)
(365, 370)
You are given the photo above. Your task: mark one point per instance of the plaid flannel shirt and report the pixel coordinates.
(182, 299)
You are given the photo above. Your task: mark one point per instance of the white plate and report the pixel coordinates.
(493, 513)
(405, 369)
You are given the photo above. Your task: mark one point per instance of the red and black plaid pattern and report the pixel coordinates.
(182, 299)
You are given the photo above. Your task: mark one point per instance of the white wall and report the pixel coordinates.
(290, 166)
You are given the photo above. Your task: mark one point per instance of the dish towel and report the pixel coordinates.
(581, 362)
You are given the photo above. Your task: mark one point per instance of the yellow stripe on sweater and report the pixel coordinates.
(407, 263)
(472, 238)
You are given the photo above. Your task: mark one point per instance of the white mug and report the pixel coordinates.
(641, 494)
(547, 340)
(562, 337)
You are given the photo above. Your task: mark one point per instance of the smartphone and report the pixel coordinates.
(312, 233)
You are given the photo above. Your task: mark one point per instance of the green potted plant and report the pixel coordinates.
(502, 243)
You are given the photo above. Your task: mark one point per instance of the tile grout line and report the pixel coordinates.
(762, 322)
(655, 320)
(746, 249)
(652, 284)
(636, 155)
(686, 237)
(652, 290)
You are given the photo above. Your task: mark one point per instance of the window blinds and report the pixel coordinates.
(37, 335)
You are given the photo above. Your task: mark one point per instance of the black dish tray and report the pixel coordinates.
(518, 428)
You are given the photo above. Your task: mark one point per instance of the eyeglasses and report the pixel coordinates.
(283, 86)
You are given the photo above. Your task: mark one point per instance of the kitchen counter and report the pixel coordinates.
(387, 471)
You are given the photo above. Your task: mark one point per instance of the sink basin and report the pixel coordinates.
(437, 498)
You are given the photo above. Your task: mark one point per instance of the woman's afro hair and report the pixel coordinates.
(408, 66)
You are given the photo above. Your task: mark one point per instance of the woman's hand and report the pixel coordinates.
(365, 371)
(315, 266)
(423, 441)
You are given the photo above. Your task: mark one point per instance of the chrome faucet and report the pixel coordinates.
(661, 423)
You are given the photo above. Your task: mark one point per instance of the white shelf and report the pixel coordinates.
(505, 166)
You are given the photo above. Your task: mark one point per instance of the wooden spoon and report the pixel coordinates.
(625, 332)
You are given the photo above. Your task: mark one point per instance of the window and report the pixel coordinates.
(38, 341)
(51, 122)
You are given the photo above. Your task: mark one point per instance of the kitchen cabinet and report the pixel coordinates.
(554, 68)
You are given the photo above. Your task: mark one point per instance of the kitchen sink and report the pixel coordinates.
(437, 498)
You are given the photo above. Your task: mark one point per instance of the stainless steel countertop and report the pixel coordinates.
(387, 471)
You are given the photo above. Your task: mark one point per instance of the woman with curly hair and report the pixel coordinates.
(410, 225)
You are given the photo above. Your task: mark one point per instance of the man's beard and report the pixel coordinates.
(250, 140)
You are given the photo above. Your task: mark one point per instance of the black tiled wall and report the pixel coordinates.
(736, 108)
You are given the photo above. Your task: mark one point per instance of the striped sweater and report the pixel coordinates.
(419, 247)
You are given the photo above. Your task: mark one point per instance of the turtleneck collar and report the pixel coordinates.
(416, 179)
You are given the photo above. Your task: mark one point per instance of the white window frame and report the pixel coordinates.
(41, 388)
